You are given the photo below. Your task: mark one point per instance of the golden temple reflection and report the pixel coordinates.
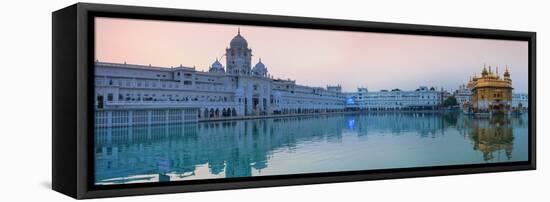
(492, 135)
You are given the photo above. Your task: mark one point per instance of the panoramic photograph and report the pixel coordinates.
(182, 101)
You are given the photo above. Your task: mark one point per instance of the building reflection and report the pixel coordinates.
(243, 148)
(493, 136)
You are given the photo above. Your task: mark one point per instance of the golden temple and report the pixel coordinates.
(490, 92)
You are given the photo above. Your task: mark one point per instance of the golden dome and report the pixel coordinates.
(507, 73)
(484, 72)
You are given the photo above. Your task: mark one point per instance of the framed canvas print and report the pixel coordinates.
(154, 100)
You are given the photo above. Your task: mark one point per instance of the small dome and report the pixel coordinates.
(217, 64)
(238, 41)
(216, 67)
(260, 65)
(484, 72)
(260, 68)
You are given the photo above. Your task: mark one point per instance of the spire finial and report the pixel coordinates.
(260, 59)
(239, 31)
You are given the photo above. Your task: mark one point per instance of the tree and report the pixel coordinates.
(450, 101)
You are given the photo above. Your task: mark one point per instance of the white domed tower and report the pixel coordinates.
(238, 56)
(260, 69)
(216, 67)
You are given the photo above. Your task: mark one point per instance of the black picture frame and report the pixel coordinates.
(73, 86)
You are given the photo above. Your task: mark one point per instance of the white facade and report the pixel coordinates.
(463, 95)
(522, 98)
(396, 99)
(238, 90)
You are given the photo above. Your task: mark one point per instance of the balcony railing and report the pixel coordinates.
(164, 104)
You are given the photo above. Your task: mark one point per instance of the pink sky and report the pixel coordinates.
(315, 57)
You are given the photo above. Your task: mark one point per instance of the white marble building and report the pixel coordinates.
(423, 98)
(238, 89)
(522, 98)
(463, 95)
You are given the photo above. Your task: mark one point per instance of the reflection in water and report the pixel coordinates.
(493, 135)
(303, 145)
